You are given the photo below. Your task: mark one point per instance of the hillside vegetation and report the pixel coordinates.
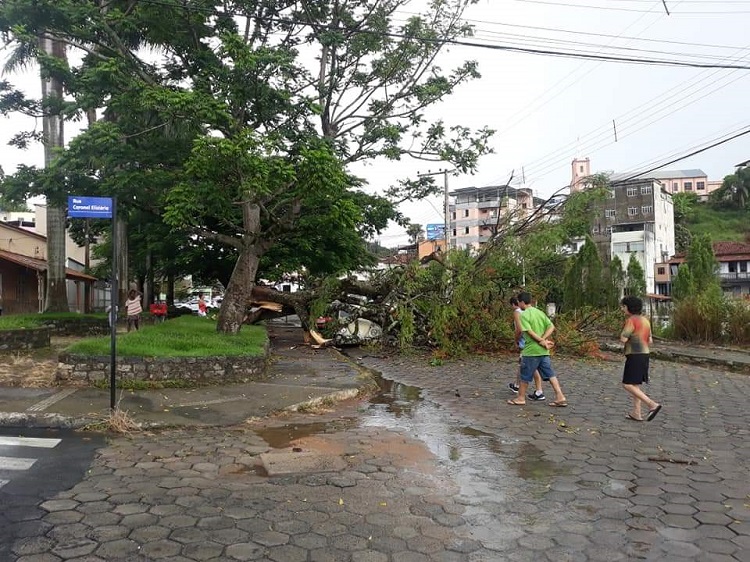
(719, 223)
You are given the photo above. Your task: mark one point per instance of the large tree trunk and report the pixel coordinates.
(56, 299)
(237, 296)
(240, 287)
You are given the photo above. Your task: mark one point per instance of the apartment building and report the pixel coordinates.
(674, 181)
(636, 219)
(476, 211)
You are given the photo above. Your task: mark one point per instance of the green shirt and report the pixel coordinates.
(535, 320)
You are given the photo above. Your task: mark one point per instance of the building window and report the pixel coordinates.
(675, 187)
(580, 169)
(632, 211)
(688, 186)
(632, 191)
(596, 229)
(454, 233)
(454, 215)
(700, 185)
(646, 189)
(466, 212)
(466, 230)
(647, 209)
(608, 231)
(661, 270)
(609, 213)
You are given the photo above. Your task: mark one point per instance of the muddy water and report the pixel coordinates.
(490, 471)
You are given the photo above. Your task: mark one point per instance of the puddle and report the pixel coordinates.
(280, 437)
(529, 464)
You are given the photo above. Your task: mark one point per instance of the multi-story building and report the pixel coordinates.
(674, 181)
(475, 212)
(636, 219)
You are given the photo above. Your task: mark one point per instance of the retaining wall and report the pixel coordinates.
(30, 338)
(198, 370)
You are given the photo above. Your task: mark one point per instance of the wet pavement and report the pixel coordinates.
(435, 467)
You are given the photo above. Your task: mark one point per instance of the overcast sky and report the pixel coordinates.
(548, 110)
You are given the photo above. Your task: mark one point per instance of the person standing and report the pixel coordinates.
(133, 309)
(537, 328)
(202, 306)
(538, 394)
(636, 335)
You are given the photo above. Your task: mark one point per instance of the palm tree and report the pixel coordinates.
(56, 299)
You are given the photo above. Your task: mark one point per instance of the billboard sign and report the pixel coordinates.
(89, 207)
(435, 231)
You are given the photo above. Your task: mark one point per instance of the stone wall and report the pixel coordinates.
(30, 338)
(84, 326)
(198, 370)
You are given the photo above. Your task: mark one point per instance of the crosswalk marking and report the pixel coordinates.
(54, 399)
(3, 483)
(28, 442)
(14, 463)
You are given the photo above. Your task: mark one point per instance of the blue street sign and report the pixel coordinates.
(435, 231)
(89, 207)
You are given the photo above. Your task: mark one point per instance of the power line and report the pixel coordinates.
(473, 44)
(619, 9)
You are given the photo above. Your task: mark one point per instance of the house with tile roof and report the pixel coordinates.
(734, 269)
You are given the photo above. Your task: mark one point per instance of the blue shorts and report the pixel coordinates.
(541, 363)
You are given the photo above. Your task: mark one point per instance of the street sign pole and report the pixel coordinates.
(84, 207)
(113, 311)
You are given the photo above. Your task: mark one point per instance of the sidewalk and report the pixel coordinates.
(298, 376)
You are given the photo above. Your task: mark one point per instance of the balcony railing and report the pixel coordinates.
(735, 275)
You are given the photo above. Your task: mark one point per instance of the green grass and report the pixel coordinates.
(25, 321)
(721, 224)
(186, 336)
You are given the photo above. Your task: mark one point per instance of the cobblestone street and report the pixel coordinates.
(436, 468)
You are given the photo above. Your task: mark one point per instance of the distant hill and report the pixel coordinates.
(720, 223)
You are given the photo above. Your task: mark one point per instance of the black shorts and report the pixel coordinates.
(636, 369)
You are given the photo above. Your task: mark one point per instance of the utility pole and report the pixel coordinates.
(446, 210)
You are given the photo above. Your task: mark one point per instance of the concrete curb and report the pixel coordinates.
(680, 357)
(44, 421)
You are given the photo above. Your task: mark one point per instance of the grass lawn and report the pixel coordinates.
(721, 224)
(21, 321)
(186, 336)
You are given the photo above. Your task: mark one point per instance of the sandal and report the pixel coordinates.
(561, 404)
(631, 417)
(515, 403)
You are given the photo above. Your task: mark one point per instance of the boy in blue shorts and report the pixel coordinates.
(537, 328)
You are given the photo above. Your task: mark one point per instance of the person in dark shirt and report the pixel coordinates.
(636, 335)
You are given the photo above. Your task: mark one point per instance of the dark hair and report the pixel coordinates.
(513, 301)
(633, 304)
(524, 297)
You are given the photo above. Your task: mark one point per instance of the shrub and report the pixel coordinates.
(738, 322)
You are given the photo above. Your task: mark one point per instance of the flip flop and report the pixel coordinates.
(514, 403)
(633, 418)
(652, 413)
(555, 404)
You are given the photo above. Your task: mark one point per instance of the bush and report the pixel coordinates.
(700, 318)
(738, 322)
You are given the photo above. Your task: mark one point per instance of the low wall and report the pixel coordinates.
(198, 370)
(81, 327)
(30, 338)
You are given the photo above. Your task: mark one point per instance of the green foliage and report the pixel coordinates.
(21, 321)
(186, 336)
(616, 283)
(738, 322)
(734, 191)
(703, 264)
(584, 283)
(700, 317)
(636, 278)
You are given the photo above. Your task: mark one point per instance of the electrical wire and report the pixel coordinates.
(620, 9)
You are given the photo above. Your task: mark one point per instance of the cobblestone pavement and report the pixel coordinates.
(448, 473)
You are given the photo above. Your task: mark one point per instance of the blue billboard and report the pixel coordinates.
(435, 231)
(89, 207)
